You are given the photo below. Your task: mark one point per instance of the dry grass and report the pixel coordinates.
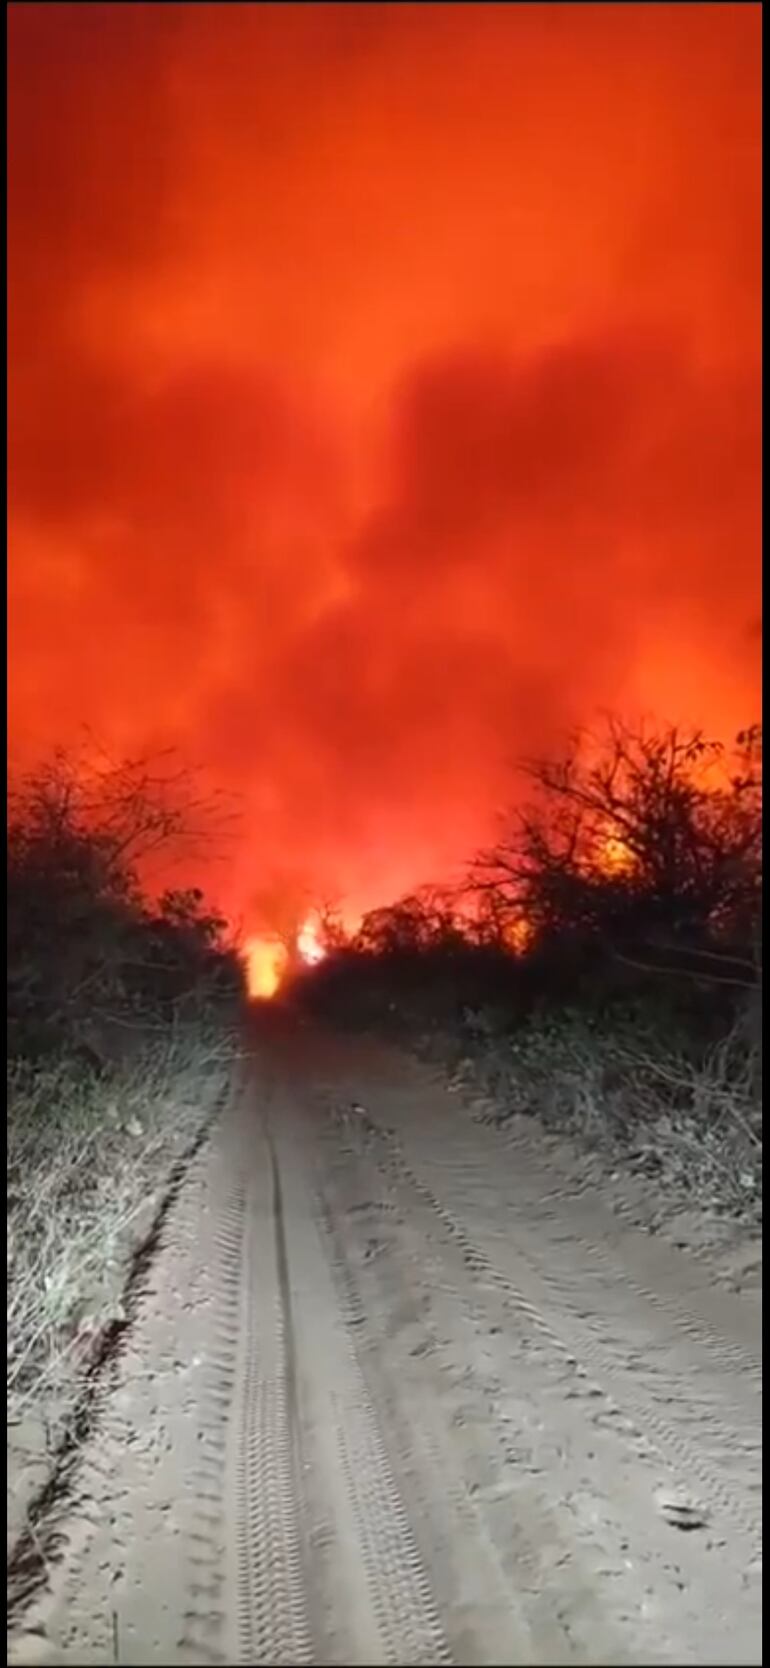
(89, 1157)
(695, 1125)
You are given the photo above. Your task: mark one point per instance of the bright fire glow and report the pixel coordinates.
(340, 465)
(309, 944)
(266, 960)
(519, 935)
(615, 858)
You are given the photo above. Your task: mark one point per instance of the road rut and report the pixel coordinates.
(391, 1397)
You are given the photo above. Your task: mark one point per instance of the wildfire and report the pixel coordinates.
(266, 962)
(268, 959)
(519, 934)
(615, 857)
(309, 945)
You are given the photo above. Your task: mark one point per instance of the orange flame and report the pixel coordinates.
(615, 857)
(266, 960)
(519, 934)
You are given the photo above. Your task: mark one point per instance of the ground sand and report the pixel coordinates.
(396, 1393)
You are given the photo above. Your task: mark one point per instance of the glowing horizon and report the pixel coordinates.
(384, 401)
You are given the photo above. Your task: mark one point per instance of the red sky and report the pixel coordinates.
(383, 402)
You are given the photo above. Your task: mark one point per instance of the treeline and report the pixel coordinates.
(88, 947)
(631, 871)
(122, 1046)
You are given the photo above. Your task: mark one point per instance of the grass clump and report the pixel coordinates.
(691, 1119)
(123, 1011)
(89, 1156)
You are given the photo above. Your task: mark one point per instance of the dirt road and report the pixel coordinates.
(392, 1396)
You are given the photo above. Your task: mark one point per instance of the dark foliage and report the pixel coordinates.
(632, 882)
(85, 946)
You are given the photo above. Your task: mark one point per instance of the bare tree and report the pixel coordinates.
(639, 842)
(80, 838)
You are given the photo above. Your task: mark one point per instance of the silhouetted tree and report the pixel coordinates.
(423, 921)
(647, 842)
(81, 935)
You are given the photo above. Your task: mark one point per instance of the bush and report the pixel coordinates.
(639, 846)
(84, 942)
(640, 1093)
(121, 1013)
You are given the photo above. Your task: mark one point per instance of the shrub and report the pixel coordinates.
(84, 942)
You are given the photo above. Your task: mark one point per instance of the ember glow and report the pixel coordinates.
(384, 401)
(615, 857)
(518, 935)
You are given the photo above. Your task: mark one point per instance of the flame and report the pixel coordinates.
(615, 857)
(309, 945)
(266, 960)
(519, 934)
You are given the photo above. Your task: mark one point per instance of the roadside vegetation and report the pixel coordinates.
(599, 968)
(122, 1038)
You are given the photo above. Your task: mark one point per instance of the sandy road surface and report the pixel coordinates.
(391, 1398)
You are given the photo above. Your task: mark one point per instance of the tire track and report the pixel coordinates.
(388, 1597)
(205, 1634)
(690, 1306)
(305, 1440)
(575, 1330)
(270, 1585)
(517, 1619)
(401, 1596)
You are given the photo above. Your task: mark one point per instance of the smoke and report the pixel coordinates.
(384, 400)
